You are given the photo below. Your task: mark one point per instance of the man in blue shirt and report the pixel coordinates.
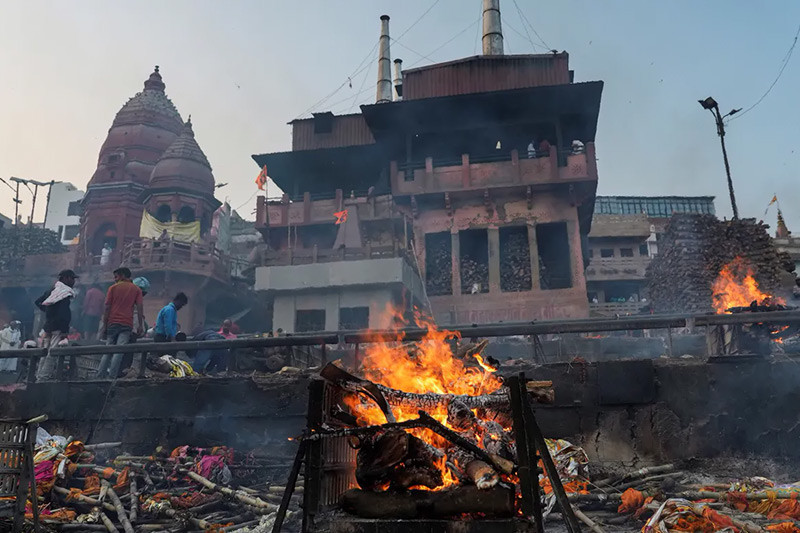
(167, 321)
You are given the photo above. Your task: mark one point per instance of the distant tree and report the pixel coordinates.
(18, 243)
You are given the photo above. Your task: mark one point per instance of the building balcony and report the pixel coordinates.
(617, 268)
(501, 170)
(320, 209)
(190, 258)
(307, 256)
(616, 308)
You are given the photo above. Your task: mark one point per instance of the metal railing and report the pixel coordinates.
(322, 339)
(306, 256)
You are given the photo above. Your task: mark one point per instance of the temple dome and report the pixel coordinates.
(143, 128)
(183, 165)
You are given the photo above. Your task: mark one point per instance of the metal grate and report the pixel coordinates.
(13, 437)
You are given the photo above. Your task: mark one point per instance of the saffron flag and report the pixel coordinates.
(773, 201)
(341, 216)
(261, 179)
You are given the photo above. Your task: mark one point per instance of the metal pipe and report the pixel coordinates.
(398, 78)
(492, 29)
(384, 92)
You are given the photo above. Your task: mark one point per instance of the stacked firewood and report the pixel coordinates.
(474, 275)
(693, 251)
(438, 270)
(515, 264)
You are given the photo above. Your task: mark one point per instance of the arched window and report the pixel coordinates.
(186, 214)
(105, 234)
(163, 213)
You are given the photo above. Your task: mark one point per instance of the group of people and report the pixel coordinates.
(118, 318)
(542, 149)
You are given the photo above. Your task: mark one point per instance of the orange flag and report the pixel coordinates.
(341, 216)
(261, 179)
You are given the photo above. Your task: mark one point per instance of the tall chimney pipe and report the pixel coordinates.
(398, 78)
(384, 93)
(492, 29)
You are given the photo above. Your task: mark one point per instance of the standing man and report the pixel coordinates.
(167, 320)
(122, 298)
(9, 340)
(55, 304)
(92, 311)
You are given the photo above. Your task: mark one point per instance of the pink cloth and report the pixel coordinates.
(43, 472)
(230, 335)
(208, 464)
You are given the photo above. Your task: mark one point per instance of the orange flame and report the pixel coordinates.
(736, 287)
(427, 366)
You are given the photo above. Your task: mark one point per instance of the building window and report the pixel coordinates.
(163, 213)
(186, 215)
(353, 318)
(643, 250)
(309, 320)
(626, 252)
(70, 232)
(74, 209)
(555, 270)
(474, 260)
(591, 252)
(606, 252)
(515, 259)
(438, 264)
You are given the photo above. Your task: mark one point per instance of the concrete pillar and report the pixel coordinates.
(493, 234)
(534, 254)
(465, 176)
(455, 260)
(576, 254)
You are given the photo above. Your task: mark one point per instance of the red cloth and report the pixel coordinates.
(208, 463)
(121, 298)
(230, 335)
(93, 302)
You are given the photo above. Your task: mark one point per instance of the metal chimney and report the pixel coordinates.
(398, 78)
(384, 93)
(492, 29)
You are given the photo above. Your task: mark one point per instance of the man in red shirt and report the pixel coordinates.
(92, 311)
(123, 296)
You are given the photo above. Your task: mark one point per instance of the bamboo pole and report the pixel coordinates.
(108, 523)
(121, 514)
(586, 520)
(134, 495)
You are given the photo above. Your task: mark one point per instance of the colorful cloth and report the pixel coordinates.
(60, 291)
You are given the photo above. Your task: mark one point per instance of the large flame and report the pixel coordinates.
(736, 287)
(427, 366)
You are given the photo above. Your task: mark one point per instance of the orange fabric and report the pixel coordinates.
(121, 299)
(122, 479)
(108, 472)
(74, 448)
(785, 510)
(261, 179)
(91, 485)
(341, 216)
(783, 527)
(720, 520)
(632, 500)
(61, 515)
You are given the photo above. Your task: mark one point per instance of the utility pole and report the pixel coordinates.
(47, 204)
(711, 104)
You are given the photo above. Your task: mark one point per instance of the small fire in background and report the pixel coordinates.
(735, 286)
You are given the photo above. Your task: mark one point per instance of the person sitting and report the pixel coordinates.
(532, 149)
(208, 361)
(578, 147)
(544, 148)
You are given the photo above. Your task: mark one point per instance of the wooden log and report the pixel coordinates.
(586, 520)
(498, 501)
(84, 499)
(134, 495)
(110, 527)
(102, 446)
(239, 495)
(117, 503)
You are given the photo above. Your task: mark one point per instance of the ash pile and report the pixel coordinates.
(696, 248)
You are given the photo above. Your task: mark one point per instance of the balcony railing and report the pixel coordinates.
(174, 255)
(616, 308)
(604, 268)
(436, 175)
(306, 256)
(320, 209)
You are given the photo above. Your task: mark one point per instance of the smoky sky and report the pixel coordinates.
(243, 69)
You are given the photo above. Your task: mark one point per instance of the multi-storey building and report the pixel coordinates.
(478, 178)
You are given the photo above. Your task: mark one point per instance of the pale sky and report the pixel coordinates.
(243, 69)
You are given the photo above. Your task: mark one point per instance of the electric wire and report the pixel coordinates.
(418, 20)
(525, 19)
(785, 62)
(453, 38)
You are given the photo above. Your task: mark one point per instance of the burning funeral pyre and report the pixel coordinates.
(434, 432)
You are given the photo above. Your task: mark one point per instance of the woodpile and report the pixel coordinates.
(515, 263)
(474, 275)
(438, 266)
(693, 251)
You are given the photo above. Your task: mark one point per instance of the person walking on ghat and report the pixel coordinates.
(55, 304)
(167, 321)
(10, 337)
(121, 300)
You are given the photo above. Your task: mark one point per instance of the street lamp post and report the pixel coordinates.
(711, 104)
